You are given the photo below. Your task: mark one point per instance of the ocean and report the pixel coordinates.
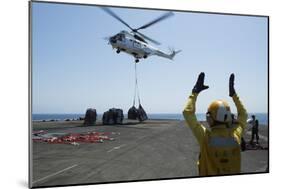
(262, 117)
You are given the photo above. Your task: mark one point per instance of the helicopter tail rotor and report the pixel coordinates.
(173, 53)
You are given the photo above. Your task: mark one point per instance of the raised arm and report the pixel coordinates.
(189, 110)
(242, 113)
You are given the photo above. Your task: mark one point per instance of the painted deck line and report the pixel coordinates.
(56, 173)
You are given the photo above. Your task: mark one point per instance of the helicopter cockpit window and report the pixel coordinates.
(120, 37)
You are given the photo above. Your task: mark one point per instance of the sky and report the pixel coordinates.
(74, 68)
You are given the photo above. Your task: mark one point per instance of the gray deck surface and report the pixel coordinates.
(152, 150)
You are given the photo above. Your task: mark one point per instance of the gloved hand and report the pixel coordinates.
(231, 85)
(199, 86)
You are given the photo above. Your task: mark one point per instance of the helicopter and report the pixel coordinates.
(135, 43)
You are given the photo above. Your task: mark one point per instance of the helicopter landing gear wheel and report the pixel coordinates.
(118, 51)
(137, 60)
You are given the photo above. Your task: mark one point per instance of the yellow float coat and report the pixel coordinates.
(220, 152)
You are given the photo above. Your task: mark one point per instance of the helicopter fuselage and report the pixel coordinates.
(125, 42)
(136, 46)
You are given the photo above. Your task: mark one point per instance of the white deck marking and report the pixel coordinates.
(116, 148)
(55, 173)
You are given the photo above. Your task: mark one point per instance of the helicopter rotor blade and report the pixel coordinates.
(148, 38)
(111, 13)
(163, 17)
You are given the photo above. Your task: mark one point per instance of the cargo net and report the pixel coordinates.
(137, 113)
(113, 116)
(72, 138)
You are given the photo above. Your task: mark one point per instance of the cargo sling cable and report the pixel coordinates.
(137, 113)
(136, 92)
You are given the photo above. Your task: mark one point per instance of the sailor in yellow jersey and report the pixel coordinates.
(220, 152)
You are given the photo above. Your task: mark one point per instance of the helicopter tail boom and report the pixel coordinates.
(165, 55)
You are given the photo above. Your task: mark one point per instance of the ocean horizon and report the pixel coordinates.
(262, 117)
